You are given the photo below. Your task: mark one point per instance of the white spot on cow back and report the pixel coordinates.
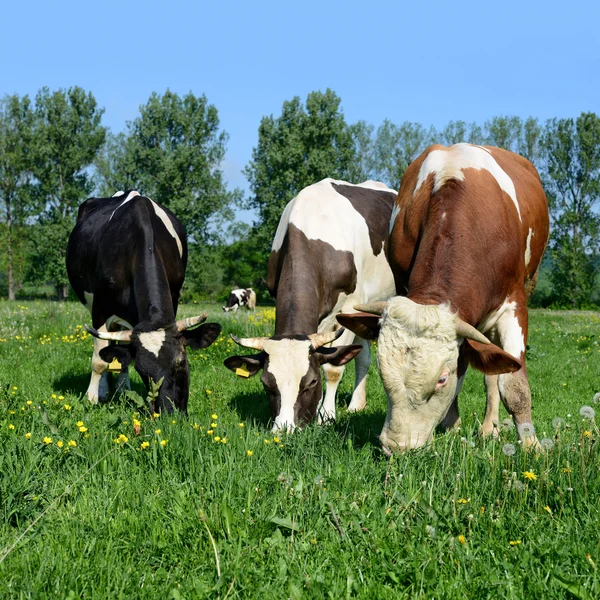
(450, 163)
(528, 247)
(505, 325)
(162, 215)
(153, 341)
(288, 363)
(119, 193)
(131, 195)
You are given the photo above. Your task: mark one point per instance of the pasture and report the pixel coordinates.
(117, 503)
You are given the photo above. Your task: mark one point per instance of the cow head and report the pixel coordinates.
(161, 354)
(291, 372)
(417, 352)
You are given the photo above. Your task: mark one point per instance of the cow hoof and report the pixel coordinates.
(356, 406)
(487, 431)
(93, 399)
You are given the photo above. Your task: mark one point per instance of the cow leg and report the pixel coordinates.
(361, 365)
(333, 376)
(98, 388)
(492, 393)
(514, 387)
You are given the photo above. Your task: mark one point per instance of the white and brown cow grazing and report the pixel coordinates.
(242, 297)
(467, 234)
(327, 255)
(126, 261)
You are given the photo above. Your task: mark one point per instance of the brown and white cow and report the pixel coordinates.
(467, 234)
(327, 255)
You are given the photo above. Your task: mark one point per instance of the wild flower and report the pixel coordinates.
(567, 470)
(514, 542)
(596, 398)
(209, 432)
(547, 444)
(217, 438)
(508, 449)
(529, 475)
(249, 452)
(587, 412)
(60, 443)
(28, 435)
(61, 397)
(319, 480)
(163, 443)
(11, 426)
(72, 443)
(223, 440)
(123, 438)
(214, 417)
(587, 434)
(520, 486)
(284, 478)
(196, 426)
(144, 445)
(79, 423)
(267, 442)
(276, 440)
(47, 440)
(462, 501)
(558, 423)
(526, 430)
(29, 403)
(213, 425)
(157, 431)
(462, 539)
(241, 425)
(156, 415)
(548, 510)
(83, 429)
(67, 407)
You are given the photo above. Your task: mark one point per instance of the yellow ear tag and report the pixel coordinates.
(115, 365)
(241, 371)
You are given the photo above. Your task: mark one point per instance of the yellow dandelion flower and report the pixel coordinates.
(123, 438)
(53, 396)
(217, 438)
(144, 445)
(79, 423)
(83, 429)
(173, 421)
(209, 432)
(47, 440)
(157, 431)
(587, 434)
(267, 442)
(276, 440)
(67, 407)
(61, 397)
(548, 510)
(11, 426)
(482, 510)
(213, 425)
(29, 403)
(567, 470)
(72, 443)
(462, 500)
(241, 425)
(28, 435)
(14, 386)
(224, 440)
(462, 539)
(163, 443)
(196, 426)
(249, 452)
(136, 423)
(156, 415)
(11, 412)
(60, 443)
(214, 417)
(529, 475)
(514, 542)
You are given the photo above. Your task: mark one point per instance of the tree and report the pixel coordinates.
(16, 138)
(173, 153)
(571, 151)
(300, 147)
(396, 146)
(68, 136)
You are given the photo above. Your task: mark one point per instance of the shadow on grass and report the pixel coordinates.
(252, 406)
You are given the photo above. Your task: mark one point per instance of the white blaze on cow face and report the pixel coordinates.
(162, 215)
(288, 364)
(153, 341)
(449, 164)
(417, 353)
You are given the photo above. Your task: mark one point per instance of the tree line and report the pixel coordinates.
(55, 152)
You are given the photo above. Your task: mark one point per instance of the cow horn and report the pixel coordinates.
(115, 336)
(188, 322)
(465, 330)
(320, 339)
(375, 308)
(256, 342)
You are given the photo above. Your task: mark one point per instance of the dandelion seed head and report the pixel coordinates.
(526, 430)
(558, 423)
(508, 424)
(596, 399)
(508, 449)
(547, 444)
(587, 412)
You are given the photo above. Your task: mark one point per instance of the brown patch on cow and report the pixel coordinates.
(375, 207)
(307, 277)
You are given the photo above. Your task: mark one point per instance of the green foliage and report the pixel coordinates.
(572, 182)
(172, 153)
(320, 513)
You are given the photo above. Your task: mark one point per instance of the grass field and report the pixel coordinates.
(215, 506)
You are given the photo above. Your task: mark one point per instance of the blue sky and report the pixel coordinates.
(420, 61)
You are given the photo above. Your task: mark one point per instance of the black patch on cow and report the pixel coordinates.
(375, 207)
(307, 276)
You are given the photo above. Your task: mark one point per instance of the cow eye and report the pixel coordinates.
(442, 380)
(313, 382)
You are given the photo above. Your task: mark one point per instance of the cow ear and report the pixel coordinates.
(245, 366)
(364, 325)
(124, 354)
(337, 356)
(490, 359)
(201, 337)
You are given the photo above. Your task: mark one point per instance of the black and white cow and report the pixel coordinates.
(239, 298)
(327, 253)
(126, 261)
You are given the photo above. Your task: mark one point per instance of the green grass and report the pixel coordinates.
(322, 513)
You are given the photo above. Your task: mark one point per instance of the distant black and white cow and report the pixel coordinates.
(126, 261)
(239, 298)
(327, 253)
